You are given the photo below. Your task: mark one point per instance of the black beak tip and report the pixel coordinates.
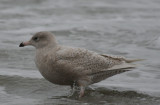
(21, 45)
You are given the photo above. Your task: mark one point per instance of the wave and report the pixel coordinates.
(21, 73)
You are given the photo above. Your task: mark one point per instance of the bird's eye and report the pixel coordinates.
(35, 38)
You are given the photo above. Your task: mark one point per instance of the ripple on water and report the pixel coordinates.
(46, 93)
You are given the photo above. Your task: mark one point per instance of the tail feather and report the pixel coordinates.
(121, 58)
(122, 66)
(132, 60)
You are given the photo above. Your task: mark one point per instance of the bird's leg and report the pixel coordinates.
(82, 89)
(82, 84)
(73, 89)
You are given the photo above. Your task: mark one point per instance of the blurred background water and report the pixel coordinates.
(129, 28)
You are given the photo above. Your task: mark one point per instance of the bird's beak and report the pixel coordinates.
(25, 44)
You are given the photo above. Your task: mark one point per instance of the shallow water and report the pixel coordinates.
(127, 28)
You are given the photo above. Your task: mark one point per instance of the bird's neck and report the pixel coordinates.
(50, 49)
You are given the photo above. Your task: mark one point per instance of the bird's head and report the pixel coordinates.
(41, 40)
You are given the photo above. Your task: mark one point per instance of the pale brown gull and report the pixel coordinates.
(69, 65)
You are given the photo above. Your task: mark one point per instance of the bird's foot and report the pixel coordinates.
(81, 93)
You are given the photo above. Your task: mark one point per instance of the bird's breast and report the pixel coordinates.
(50, 70)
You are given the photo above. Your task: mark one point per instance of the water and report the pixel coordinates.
(125, 27)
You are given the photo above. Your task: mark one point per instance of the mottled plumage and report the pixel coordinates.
(68, 65)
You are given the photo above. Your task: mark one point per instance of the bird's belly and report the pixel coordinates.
(55, 77)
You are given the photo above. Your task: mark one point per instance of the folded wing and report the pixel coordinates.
(94, 65)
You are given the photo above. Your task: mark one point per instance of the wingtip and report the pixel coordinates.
(134, 60)
(123, 66)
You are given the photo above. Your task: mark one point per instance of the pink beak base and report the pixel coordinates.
(24, 44)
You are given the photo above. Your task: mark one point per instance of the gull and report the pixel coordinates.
(64, 65)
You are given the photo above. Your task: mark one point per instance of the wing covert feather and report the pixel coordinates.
(84, 61)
